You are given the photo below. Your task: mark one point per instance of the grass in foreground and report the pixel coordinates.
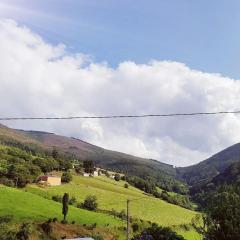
(26, 206)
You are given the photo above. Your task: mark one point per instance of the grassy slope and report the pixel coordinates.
(26, 206)
(112, 194)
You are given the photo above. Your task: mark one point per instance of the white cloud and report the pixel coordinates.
(38, 79)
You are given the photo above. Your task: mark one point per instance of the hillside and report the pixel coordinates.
(103, 157)
(211, 167)
(112, 195)
(34, 208)
(42, 141)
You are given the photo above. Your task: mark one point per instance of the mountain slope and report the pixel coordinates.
(160, 173)
(211, 167)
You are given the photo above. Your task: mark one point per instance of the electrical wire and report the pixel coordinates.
(119, 116)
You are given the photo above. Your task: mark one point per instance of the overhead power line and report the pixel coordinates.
(119, 116)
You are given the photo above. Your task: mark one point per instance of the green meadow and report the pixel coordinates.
(25, 206)
(112, 195)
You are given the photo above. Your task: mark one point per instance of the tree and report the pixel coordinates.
(90, 202)
(88, 166)
(55, 153)
(222, 217)
(66, 177)
(117, 177)
(65, 200)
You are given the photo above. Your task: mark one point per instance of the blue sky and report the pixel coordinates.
(202, 34)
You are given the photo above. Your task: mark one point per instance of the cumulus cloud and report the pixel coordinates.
(39, 79)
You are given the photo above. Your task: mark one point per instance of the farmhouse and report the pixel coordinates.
(94, 174)
(50, 180)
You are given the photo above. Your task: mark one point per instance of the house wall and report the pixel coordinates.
(54, 181)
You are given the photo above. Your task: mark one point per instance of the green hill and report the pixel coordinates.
(112, 195)
(211, 167)
(36, 141)
(25, 206)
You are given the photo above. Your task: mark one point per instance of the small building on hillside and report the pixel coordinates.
(86, 174)
(95, 174)
(50, 180)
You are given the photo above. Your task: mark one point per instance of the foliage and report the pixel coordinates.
(72, 201)
(57, 198)
(156, 232)
(90, 203)
(66, 177)
(117, 177)
(222, 216)
(150, 187)
(88, 166)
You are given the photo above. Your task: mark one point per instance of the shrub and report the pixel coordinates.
(126, 185)
(117, 177)
(90, 203)
(66, 177)
(123, 178)
(57, 198)
(156, 232)
(6, 181)
(135, 227)
(72, 201)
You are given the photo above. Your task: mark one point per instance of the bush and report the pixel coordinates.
(135, 227)
(6, 181)
(117, 177)
(72, 201)
(90, 203)
(57, 198)
(156, 232)
(126, 185)
(66, 177)
(123, 178)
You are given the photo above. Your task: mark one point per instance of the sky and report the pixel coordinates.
(73, 57)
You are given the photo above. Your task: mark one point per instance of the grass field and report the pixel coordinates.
(26, 206)
(112, 195)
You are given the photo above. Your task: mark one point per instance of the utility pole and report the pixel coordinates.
(128, 220)
(128, 216)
